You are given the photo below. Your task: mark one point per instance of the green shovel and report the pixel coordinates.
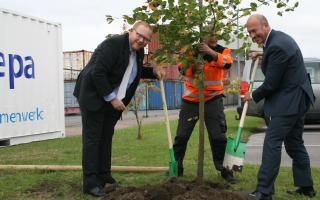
(235, 150)
(173, 166)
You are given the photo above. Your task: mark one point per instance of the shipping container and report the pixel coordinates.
(31, 79)
(74, 62)
(71, 105)
(174, 91)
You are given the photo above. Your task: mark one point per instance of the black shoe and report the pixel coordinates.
(306, 191)
(259, 196)
(96, 191)
(228, 176)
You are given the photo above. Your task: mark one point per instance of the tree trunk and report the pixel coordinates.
(140, 133)
(139, 122)
(201, 119)
(201, 133)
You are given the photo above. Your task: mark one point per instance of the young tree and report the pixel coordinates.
(136, 102)
(181, 25)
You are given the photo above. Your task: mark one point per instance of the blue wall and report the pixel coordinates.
(69, 100)
(173, 90)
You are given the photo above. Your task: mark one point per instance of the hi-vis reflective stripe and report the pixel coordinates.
(189, 79)
(224, 60)
(205, 83)
(212, 83)
(188, 93)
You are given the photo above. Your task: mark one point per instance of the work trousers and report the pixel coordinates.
(97, 132)
(216, 126)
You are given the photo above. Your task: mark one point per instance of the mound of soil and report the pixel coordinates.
(175, 189)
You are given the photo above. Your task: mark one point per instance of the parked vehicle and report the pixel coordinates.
(256, 109)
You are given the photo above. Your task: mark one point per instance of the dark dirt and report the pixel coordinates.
(175, 189)
(44, 189)
(51, 189)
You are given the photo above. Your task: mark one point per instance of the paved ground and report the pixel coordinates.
(73, 122)
(254, 146)
(312, 142)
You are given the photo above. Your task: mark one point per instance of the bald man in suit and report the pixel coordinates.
(287, 95)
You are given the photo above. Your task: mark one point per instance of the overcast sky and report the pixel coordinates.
(84, 26)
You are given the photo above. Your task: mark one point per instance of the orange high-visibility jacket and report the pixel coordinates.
(213, 76)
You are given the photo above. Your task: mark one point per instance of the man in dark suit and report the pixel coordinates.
(104, 88)
(288, 94)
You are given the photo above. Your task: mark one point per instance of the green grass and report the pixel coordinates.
(127, 150)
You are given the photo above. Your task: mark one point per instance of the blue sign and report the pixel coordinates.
(18, 67)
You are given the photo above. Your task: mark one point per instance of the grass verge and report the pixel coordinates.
(127, 150)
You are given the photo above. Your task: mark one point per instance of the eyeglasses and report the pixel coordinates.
(140, 36)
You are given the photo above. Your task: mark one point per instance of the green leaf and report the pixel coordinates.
(253, 6)
(240, 35)
(196, 83)
(130, 20)
(280, 5)
(109, 19)
(185, 63)
(163, 4)
(170, 2)
(246, 12)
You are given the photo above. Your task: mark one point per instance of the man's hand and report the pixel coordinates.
(255, 54)
(246, 97)
(204, 49)
(118, 105)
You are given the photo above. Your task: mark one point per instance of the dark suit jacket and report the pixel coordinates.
(104, 73)
(287, 88)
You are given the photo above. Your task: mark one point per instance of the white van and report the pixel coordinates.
(256, 109)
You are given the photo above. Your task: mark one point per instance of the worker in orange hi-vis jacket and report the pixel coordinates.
(218, 59)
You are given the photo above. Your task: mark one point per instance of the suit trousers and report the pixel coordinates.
(216, 126)
(97, 132)
(287, 130)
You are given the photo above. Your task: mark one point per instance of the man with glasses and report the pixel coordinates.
(103, 89)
